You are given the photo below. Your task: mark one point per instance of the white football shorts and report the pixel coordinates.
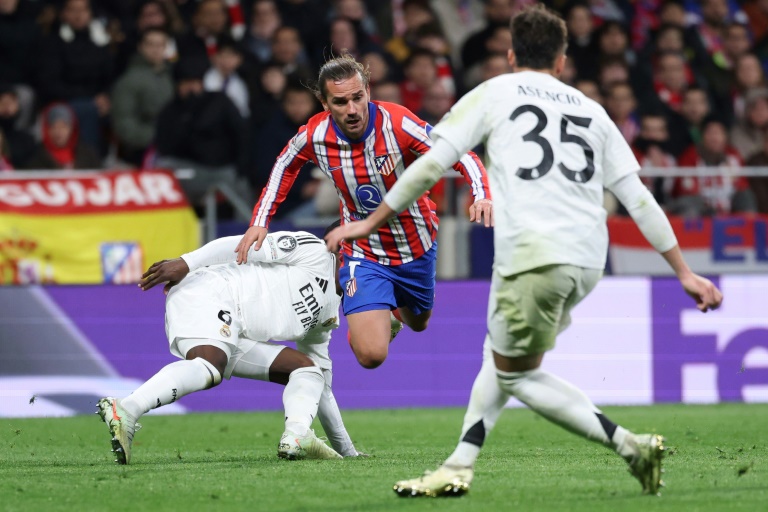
(202, 311)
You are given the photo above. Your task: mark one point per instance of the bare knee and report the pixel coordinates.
(370, 357)
(371, 361)
(213, 355)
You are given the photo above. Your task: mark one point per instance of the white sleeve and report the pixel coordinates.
(645, 211)
(421, 175)
(219, 251)
(618, 158)
(465, 125)
(280, 247)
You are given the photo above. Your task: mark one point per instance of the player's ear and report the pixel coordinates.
(511, 58)
(560, 64)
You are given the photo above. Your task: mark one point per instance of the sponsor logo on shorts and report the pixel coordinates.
(224, 331)
(351, 287)
(286, 243)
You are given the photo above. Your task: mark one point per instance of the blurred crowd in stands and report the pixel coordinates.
(220, 86)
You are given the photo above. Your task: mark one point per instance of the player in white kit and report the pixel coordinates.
(551, 152)
(219, 320)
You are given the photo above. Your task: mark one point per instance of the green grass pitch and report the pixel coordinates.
(718, 461)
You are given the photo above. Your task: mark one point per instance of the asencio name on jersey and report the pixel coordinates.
(560, 97)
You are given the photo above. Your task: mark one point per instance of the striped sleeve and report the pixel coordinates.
(469, 165)
(287, 166)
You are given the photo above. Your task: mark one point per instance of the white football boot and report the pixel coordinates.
(444, 481)
(122, 427)
(645, 465)
(308, 446)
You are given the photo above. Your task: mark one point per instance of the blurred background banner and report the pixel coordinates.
(711, 245)
(87, 228)
(633, 341)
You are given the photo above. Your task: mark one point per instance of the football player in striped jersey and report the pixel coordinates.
(364, 146)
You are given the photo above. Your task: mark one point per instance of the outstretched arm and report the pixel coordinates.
(655, 226)
(420, 177)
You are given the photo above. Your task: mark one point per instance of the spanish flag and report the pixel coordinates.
(88, 228)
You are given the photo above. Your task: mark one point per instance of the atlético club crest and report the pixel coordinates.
(385, 164)
(351, 287)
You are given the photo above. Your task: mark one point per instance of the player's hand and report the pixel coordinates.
(351, 231)
(482, 209)
(254, 235)
(166, 271)
(703, 291)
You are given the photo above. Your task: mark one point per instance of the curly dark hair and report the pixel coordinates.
(539, 36)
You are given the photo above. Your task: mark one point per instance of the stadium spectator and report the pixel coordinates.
(209, 23)
(590, 89)
(707, 37)
(203, 131)
(297, 106)
(222, 75)
(22, 144)
(759, 184)
(613, 42)
(436, 103)
(651, 148)
(5, 154)
(671, 80)
(693, 110)
(394, 272)
(386, 91)
(265, 20)
(308, 17)
(420, 73)
(430, 37)
(150, 14)
(357, 12)
(748, 74)
(20, 37)
(381, 65)
(75, 66)
(288, 51)
(612, 71)
(747, 133)
(343, 36)
(718, 71)
(494, 65)
(416, 13)
(272, 83)
(707, 195)
(620, 103)
(581, 42)
(475, 49)
(61, 147)
(139, 95)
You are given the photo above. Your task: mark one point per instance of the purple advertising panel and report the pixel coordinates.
(632, 341)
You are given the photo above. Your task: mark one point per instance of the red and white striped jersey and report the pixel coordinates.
(363, 171)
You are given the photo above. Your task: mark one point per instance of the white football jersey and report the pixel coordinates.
(550, 152)
(287, 289)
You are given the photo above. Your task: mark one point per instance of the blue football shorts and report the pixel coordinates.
(367, 285)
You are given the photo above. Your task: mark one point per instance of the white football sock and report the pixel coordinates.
(564, 404)
(485, 405)
(330, 418)
(171, 383)
(301, 398)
